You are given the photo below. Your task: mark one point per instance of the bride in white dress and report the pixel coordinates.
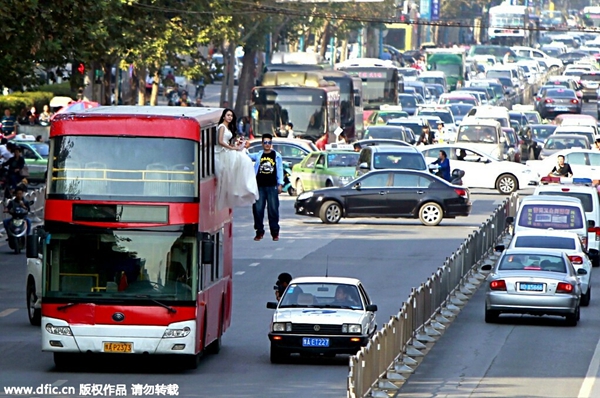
(236, 184)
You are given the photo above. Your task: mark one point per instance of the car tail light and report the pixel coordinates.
(538, 98)
(574, 101)
(498, 285)
(462, 193)
(578, 260)
(565, 189)
(563, 287)
(549, 100)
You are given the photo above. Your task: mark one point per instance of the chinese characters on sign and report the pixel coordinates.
(435, 10)
(558, 217)
(120, 390)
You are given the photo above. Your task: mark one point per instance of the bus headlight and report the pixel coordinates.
(351, 328)
(59, 330)
(282, 326)
(175, 333)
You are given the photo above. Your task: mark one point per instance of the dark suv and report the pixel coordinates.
(390, 157)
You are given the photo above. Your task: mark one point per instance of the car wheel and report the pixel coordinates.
(572, 319)
(431, 214)
(330, 212)
(34, 314)
(278, 355)
(587, 297)
(507, 184)
(596, 261)
(491, 316)
(291, 191)
(299, 187)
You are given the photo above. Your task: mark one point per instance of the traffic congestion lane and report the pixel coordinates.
(521, 356)
(390, 257)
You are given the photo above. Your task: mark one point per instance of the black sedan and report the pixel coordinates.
(389, 194)
(558, 101)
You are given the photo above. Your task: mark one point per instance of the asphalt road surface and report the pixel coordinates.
(522, 356)
(389, 256)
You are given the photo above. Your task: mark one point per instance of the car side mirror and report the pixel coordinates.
(356, 186)
(591, 223)
(499, 248)
(371, 308)
(582, 271)
(502, 140)
(510, 220)
(486, 267)
(272, 305)
(363, 166)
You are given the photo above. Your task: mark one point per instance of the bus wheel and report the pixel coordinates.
(191, 361)
(35, 314)
(64, 360)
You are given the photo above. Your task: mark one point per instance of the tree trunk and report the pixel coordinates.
(324, 39)
(246, 81)
(141, 85)
(231, 68)
(155, 83)
(344, 54)
(224, 51)
(106, 82)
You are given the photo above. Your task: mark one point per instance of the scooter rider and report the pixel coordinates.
(17, 201)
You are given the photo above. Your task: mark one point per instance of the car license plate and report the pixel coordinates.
(561, 108)
(531, 287)
(314, 342)
(118, 347)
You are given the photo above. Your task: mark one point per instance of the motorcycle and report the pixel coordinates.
(287, 179)
(17, 228)
(456, 175)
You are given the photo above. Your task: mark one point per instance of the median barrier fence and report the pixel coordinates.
(381, 367)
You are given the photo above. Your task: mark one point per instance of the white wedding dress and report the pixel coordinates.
(236, 178)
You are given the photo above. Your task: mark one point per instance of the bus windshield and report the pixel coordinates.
(94, 263)
(113, 167)
(380, 85)
(274, 107)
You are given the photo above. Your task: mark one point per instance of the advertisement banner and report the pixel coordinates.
(425, 9)
(435, 10)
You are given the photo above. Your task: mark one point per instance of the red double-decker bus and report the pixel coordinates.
(137, 257)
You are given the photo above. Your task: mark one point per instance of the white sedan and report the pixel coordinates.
(481, 170)
(585, 163)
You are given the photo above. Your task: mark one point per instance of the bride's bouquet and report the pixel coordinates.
(240, 143)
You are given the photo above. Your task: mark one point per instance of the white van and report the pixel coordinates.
(588, 195)
(499, 113)
(552, 212)
(484, 135)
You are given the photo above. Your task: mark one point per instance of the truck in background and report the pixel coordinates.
(451, 61)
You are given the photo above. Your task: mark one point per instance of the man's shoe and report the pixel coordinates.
(276, 238)
(259, 236)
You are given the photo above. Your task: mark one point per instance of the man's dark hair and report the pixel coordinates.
(38, 138)
(560, 156)
(267, 136)
(444, 153)
(284, 277)
(18, 188)
(357, 146)
(291, 125)
(3, 141)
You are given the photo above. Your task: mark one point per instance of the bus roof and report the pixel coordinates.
(365, 62)
(302, 79)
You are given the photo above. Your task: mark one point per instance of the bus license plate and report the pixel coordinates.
(532, 287)
(314, 342)
(118, 347)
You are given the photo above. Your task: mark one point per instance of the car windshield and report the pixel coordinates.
(550, 216)
(42, 149)
(585, 198)
(342, 159)
(533, 117)
(544, 132)
(321, 295)
(532, 262)
(383, 117)
(411, 161)
(565, 143)
(445, 116)
(546, 242)
(486, 134)
(460, 109)
(459, 100)
(561, 94)
(416, 128)
(393, 133)
(408, 101)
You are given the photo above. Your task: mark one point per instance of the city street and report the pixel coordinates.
(389, 256)
(522, 356)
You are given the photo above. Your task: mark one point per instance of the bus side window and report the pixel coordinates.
(208, 138)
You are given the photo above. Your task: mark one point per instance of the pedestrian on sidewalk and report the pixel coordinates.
(268, 166)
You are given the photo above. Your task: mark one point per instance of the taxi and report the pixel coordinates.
(333, 167)
(35, 154)
(321, 315)
(381, 116)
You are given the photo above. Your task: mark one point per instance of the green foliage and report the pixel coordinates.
(59, 90)
(19, 101)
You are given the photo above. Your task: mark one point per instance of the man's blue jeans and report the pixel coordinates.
(269, 197)
(6, 223)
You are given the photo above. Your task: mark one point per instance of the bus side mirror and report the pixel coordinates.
(33, 246)
(208, 251)
(357, 101)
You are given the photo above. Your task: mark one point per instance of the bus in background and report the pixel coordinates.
(135, 255)
(304, 99)
(591, 16)
(553, 19)
(351, 113)
(381, 82)
(508, 25)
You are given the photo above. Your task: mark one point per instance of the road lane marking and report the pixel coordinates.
(253, 264)
(240, 272)
(7, 312)
(279, 248)
(267, 256)
(590, 377)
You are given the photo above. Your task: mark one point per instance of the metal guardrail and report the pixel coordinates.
(375, 368)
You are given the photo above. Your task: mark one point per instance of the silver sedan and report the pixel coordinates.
(529, 281)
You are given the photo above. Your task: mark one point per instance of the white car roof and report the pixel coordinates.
(577, 128)
(326, 279)
(479, 121)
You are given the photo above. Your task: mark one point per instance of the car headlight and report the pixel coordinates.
(351, 328)
(282, 326)
(174, 333)
(60, 330)
(305, 195)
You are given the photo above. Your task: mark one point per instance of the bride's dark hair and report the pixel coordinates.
(232, 126)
